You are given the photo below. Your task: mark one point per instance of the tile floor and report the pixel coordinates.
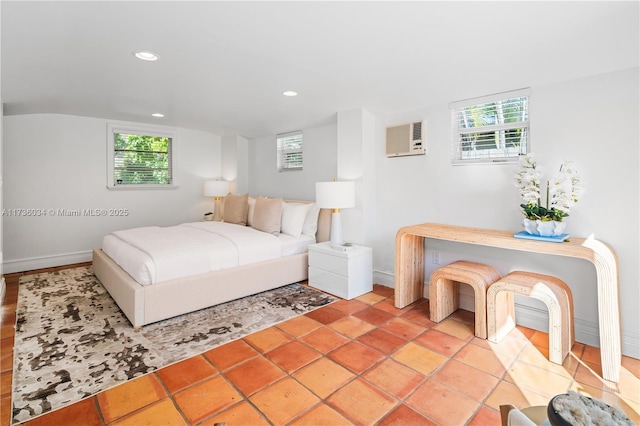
(354, 362)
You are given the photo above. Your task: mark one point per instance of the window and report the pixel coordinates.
(139, 158)
(289, 147)
(492, 129)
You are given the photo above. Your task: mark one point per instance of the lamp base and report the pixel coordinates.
(217, 213)
(336, 229)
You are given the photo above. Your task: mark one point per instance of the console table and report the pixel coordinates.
(409, 284)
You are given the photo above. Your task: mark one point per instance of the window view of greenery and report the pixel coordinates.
(141, 160)
(290, 152)
(494, 129)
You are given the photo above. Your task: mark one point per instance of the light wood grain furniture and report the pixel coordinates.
(409, 273)
(552, 291)
(444, 298)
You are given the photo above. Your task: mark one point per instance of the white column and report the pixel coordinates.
(355, 162)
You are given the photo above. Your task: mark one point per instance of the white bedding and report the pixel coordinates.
(155, 254)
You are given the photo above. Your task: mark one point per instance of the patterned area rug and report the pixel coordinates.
(72, 340)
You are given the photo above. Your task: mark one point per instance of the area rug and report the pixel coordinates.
(72, 340)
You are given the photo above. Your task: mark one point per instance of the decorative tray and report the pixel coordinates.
(554, 239)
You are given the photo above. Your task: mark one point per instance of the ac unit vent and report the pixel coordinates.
(405, 139)
(417, 131)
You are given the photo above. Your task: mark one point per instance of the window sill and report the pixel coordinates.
(141, 187)
(483, 161)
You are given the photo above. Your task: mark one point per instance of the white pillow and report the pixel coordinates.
(310, 226)
(293, 216)
(252, 208)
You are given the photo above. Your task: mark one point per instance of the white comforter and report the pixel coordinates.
(153, 254)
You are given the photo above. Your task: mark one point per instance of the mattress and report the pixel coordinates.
(155, 254)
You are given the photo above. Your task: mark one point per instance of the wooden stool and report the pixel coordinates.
(443, 291)
(551, 290)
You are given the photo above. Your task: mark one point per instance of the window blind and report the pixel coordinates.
(491, 129)
(141, 159)
(289, 151)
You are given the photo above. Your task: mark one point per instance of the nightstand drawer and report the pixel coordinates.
(331, 283)
(330, 263)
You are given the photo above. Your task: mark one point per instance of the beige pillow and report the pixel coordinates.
(236, 208)
(267, 214)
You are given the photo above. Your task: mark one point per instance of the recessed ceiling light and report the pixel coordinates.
(157, 114)
(290, 93)
(146, 56)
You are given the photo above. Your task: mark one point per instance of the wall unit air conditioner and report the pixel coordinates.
(405, 139)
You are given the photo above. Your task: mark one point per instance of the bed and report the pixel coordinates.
(158, 293)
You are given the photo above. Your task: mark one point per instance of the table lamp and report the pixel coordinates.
(217, 189)
(336, 196)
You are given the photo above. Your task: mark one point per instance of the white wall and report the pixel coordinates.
(56, 161)
(3, 286)
(235, 159)
(356, 156)
(2, 282)
(319, 156)
(592, 121)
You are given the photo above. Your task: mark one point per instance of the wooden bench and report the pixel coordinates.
(555, 294)
(444, 285)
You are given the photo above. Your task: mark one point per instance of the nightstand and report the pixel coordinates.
(346, 272)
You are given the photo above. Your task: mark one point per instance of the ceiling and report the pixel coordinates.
(224, 65)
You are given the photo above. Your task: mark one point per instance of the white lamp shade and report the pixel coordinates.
(335, 195)
(216, 188)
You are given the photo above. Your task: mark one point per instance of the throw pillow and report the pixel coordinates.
(293, 216)
(236, 208)
(310, 226)
(252, 206)
(267, 215)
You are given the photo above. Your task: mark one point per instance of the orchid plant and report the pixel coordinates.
(562, 191)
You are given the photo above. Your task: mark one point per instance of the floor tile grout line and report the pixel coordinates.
(96, 404)
(245, 398)
(385, 356)
(356, 375)
(171, 395)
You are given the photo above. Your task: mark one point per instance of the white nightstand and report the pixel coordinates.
(346, 273)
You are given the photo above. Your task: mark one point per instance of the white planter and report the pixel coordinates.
(549, 228)
(546, 229)
(531, 226)
(559, 229)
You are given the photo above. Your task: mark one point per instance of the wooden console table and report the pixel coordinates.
(409, 285)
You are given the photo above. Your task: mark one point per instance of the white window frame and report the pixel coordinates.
(504, 155)
(281, 163)
(126, 128)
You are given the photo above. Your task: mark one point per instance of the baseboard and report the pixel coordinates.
(538, 319)
(631, 344)
(386, 279)
(29, 264)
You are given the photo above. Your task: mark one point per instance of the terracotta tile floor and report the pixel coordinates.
(353, 362)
